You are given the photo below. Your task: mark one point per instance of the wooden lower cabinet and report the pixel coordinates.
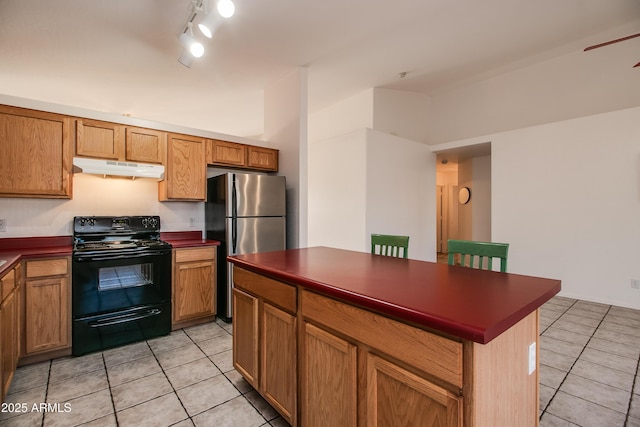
(359, 368)
(265, 339)
(390, 390)
(277, 356)
(47, 305)
(9, 330)
(194, 284)
(329, 379)
(245, 336)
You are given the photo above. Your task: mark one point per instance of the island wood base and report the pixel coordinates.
(320, 361)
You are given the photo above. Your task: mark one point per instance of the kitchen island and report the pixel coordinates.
(335, 337)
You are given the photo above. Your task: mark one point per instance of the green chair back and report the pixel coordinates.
(474, 254)
(387, 245)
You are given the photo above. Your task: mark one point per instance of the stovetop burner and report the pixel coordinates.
(106, 234)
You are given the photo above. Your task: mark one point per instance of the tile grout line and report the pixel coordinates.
(223, 374)
(633, 386)
(581, 352)
(46, 391)
(169, 381)
(544, 411)
(106, 374)
(577, 358)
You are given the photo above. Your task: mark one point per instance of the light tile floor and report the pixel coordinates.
(183, 379)
(589, 355)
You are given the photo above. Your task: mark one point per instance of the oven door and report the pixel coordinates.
(106, 283)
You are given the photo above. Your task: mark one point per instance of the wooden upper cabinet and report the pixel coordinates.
(262, 158)
(37, 150)
(99, 139)
(106, 140)
(186, 170)
(226, 153)
(232, 154)
(145, 145)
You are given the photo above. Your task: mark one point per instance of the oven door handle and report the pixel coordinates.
(81, 258)
(124, 318)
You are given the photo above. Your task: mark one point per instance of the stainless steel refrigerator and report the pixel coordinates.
(247, 214)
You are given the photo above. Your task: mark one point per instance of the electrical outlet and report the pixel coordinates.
(3, 224)
(635, 283)
(192, 222)
(532, 358)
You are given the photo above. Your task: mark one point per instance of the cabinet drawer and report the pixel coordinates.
(431, 353)
(47, 267)
(8, 283)
(278, 293)
(196, 254)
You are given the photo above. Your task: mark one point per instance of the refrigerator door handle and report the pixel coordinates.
(234, 216)
(234, 235)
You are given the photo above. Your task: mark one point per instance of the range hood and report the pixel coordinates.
(117, 168)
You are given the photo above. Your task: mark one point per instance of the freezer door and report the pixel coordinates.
(256, 234)
(256, 195)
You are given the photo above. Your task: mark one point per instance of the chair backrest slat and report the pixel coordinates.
(390, 245)
(482, 250)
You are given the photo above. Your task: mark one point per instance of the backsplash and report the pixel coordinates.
(93, 195)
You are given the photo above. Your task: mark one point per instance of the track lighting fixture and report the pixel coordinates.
(192, 48)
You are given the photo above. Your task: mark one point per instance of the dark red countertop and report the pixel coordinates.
(186, 239)
(15, 248)
(471, 304)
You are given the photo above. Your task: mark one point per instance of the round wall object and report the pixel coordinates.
(464, 195)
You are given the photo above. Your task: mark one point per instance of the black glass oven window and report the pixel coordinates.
(127, 276)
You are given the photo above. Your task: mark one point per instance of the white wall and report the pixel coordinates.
(286, 128)
(401, 192)
(481, 199)
(465, 212)
(566, 197)
(559, 88)
(337, 191)
(368, 182)
(401, 113)
(350, 114)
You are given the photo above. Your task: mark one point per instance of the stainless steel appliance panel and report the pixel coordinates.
(256, 234)
(255, 195)
(246, 213)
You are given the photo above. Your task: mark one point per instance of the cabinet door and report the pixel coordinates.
(226, 153)
(245, 336)
(9, 342)
(186, 169)
(99, 139)
(262, 158)
(329, 385)
(47, 316)
(278, 380)
(391, 390)
(193, 290)
(36, 154)
(144, 145)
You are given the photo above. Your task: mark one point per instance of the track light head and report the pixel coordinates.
(226, 8)
(211, 21)
(194, 47)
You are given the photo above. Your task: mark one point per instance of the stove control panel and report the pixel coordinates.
(115, 224)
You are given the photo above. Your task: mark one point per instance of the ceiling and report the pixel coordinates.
(120, 56)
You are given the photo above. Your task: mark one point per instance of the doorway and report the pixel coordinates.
(470, 167)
